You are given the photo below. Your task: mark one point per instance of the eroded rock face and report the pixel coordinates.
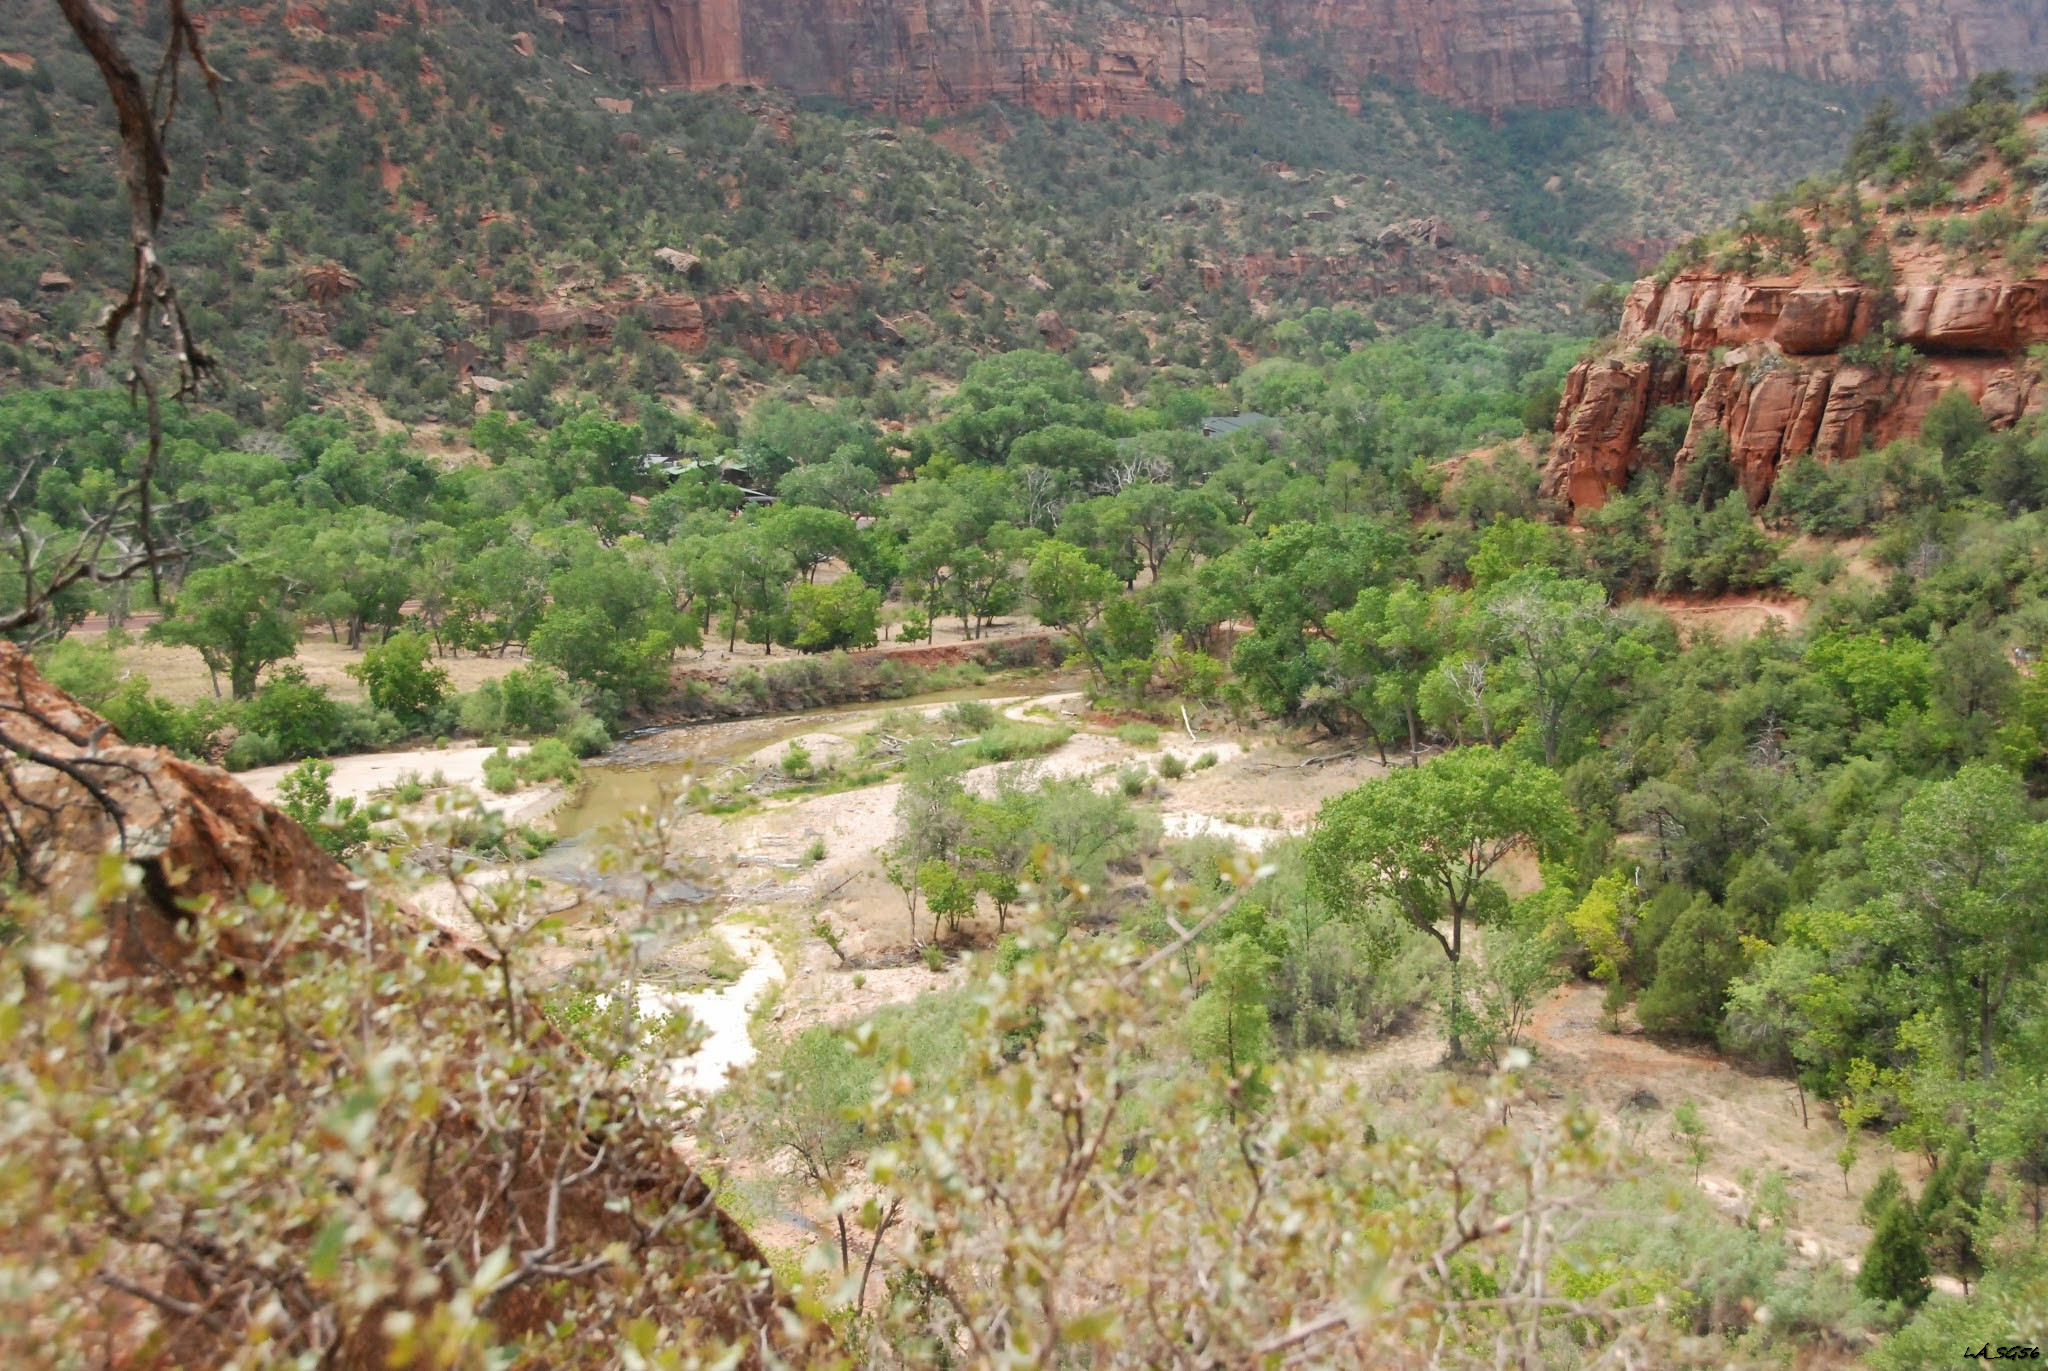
(942, 56)
(1761, 361)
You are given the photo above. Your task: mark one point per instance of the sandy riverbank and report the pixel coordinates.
(366, 775)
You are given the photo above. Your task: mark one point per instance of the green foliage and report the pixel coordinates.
(234, 615)
(401, 676)
(1895, 1267)
(834, 616)
(337, 825)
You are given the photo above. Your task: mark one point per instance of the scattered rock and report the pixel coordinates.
(611, 106)
(522, 43)
(1053, 330)
(54, 282)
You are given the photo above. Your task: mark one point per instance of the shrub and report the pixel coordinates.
(401, 676)
(549, 760)
(1172, 767)
(1138, 734)
(1133, 780)
(585, 736)
(970, 716)
(1205, 761)
(300, 719)
(306, 796)
(1010, 741)
(148, 720)
(501, 773)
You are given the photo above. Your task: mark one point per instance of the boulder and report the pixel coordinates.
(1053, 330)
(71, 792)
(681, 263)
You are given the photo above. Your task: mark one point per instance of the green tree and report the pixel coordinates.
(235, 616)
(1426, 841)
(1895, 1266)
(400, 675)
(835, 616)
(1562, 635)
(1229, 1022)
(1069, 590)
(1966, 881)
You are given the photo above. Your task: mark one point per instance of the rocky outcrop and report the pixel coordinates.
(1762, 362)
(72, 792)
(1136, 56)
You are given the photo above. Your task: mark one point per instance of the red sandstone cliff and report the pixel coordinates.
(1760, 359)
(1134, 56)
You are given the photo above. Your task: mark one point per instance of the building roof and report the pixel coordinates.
(1223, 425)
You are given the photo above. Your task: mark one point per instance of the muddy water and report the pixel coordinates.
(636, 774)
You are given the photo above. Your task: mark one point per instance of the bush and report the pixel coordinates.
(550, 759)
(1205, 761)
(298, 718)
(501, 773)
(1172, 767)
(1010, 741)
(1138, 734)
(84, 671)
(1133, 780)
(148, 720)
(585, 736)
(400, 676)
(305, 795)
(970, 716)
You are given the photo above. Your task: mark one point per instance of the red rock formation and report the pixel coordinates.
(925, 56)
(71, 791)
(1760, 360)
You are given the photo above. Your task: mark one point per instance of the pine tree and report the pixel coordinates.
(1895, 1266)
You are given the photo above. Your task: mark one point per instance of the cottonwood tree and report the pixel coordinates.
(1426, 841)
(1562, 634)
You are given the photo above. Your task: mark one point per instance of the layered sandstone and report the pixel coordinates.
(1762, 361)
(1134, 57)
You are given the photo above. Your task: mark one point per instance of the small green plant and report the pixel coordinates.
(1689, 1131)
(815, 853)
(1138, 734)
(796, 761)
(934, 958)
(970, 716)
(304, 794)
(410, 789)
(1133, 780)
(1172, 767)
(501, 773)
(1205, 761)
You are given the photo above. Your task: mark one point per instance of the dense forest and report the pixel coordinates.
(1817, 851)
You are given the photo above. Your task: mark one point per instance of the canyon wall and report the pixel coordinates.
(1102, 59)
(1764, 362)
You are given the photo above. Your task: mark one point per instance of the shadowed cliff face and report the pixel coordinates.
(1132, 57)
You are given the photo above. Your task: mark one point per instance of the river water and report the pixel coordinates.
(641, 770)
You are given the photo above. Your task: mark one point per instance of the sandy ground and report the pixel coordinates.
(177, 674)
(366, 775)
